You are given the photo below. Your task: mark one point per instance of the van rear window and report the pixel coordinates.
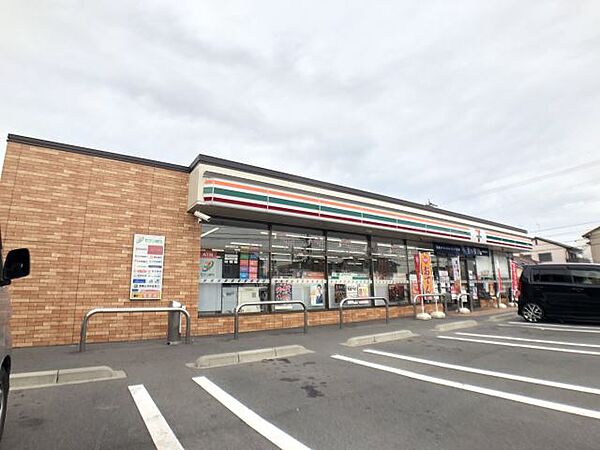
(551, 276)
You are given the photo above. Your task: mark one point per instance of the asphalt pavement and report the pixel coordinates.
(500, 384)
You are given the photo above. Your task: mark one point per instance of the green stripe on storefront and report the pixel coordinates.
(283, 201)
(208, 190)
(340, 211)
(509, 240)
(383, 219)
(246, 195)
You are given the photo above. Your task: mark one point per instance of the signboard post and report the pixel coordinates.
(147, 267)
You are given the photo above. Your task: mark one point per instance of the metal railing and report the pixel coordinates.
(89, 314)
(236, 313)
(466, 294)
(358, 299)
(422, 296)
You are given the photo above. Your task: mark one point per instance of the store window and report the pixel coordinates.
(298, 266)
(390, 270)
(348, 267)
(234, 263)
(502, 270)
(485, 281)
(444, 274)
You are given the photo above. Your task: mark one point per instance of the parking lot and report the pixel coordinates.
(500, 384)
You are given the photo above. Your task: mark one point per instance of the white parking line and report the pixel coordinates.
(162, 435)
(491, 373)
(477, 389)
(538, 341)
(545, 328)
(555, 325)
(278, 437)
(512, 344)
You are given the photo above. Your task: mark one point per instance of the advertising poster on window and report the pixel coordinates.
(456, 268)
(396, 293)
(147, 267)
(415, 289)
(210, 265)
(316, 295)
(352, 290)
(426, 273)
(339, 292)
(283, 293)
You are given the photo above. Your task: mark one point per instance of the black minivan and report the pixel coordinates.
(560, 291)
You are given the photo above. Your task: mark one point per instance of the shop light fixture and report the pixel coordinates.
(246, 244)
(332, 239)
(232, 246)
(283, 254)
(337, 251)
(379, 244)
(279, 246)
(358, 242)
(356, 253)
(266, 233)
(206, 233)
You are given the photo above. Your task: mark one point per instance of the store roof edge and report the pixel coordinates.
(225, 163)
(94, 152)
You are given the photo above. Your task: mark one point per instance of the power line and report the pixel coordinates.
(530, 180)
(567, 226)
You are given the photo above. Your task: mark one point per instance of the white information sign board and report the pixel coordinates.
(147, 267)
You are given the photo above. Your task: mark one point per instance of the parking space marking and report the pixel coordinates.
(162, 435)
(555, 325)
(537, 341)
(561, 407)
(545, 328)
(491, 373)
(278, 437)
(513, 344)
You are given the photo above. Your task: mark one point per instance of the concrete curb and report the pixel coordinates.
(455, 325)
(246, 356)
(47, 378)
(368, 339)
(503, 316)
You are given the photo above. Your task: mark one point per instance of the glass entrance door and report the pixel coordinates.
(468, 282)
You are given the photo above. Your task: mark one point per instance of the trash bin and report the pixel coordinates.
(174, 325)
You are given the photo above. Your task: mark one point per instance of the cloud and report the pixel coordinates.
(419, 101)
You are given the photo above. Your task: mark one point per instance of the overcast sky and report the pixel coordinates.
(490, 108)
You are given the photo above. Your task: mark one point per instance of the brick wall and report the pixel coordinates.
(77, 214)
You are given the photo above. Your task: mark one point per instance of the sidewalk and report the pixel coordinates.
(156, 355)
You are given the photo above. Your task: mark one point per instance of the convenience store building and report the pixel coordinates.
(110, 230)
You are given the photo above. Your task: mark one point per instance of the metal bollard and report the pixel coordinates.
(174, 325)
